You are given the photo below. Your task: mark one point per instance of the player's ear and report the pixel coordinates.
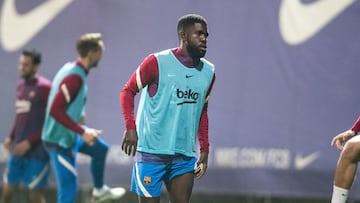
(36, 67)
(182, 35)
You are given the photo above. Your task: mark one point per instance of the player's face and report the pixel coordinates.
(26, 67)
(196, 40)
(95, 56)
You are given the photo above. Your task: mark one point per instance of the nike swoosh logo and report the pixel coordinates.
(299, 22)
(18, 29)
(303, 161)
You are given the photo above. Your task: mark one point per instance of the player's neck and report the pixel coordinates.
(184, 57)
(84, 63)
(30, 78)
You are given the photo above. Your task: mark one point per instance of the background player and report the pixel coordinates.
(28, 162)
(64, 114)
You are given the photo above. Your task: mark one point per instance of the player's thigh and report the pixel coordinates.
(98, 150)
(180, 188)
(36, 174)
(64, 166)
(355, 139)
(149, 200)
(36, 195)
(147, 180)
(7, 190)
(352, 148)
(181, 180)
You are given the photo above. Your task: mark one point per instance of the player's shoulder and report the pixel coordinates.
(20, 83)
(207, 62)
(43, 81)
(162, 53)
(150, 57)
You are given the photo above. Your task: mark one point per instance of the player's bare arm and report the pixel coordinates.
(7, 143)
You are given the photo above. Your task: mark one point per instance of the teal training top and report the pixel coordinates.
(53, 131)
(168, 122)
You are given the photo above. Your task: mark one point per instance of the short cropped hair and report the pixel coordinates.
(88, 42)
(189, 20)
(34, 54)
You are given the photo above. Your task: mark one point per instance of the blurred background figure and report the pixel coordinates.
(28, 162)
(63, 123)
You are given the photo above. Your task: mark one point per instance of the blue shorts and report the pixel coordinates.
(33, 173)
(148, 175)
(64, 164)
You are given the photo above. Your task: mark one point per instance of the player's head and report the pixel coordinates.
(29, 62)
(91, 47)
(192, 32)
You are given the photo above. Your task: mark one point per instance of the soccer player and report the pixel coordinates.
(175, 85)
(28, 162)
(348, 161)
(63, 124)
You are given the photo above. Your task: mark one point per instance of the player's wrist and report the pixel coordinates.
(205, 151)
(130, 125)
(350, 133)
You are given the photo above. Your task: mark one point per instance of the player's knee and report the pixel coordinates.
(103, 146)
(7, 191)
(35, 196)
(180, 199)
(351, 150)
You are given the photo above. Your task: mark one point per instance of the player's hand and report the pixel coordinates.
(129, 143)
(341, 138)
(201, 165)
(21, 148)
(7, 143)
(90, 135)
